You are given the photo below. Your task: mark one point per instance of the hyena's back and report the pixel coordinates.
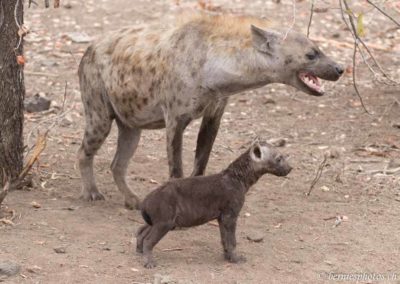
(134, 74)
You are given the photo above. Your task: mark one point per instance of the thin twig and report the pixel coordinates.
(73, 56)
(65, 96)
(173, 249)
(384, 13)
(136, 221)
(330, 218)
(293, 21)
(311, 16)
(354, 79)
(40, 74)
(318, 175)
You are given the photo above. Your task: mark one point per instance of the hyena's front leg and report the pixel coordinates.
(175, 127)
(206, 137)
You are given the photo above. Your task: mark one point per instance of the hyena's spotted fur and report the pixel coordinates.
(166, 77)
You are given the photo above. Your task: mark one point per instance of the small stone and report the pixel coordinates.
(393, 164)
(78, 37)
(256, 237)
(325, 188)
(278, 142)
(162, 279)
(60, 250)
(333, 153)
(267, 101)
(8, 268)
(34, 269)
(247, 214)
(35, 204)
(37, 103)
(396, 125)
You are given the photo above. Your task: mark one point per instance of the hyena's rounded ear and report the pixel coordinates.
(263, 40)
(256, 153)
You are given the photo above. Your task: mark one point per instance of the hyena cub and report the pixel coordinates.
(194, 201)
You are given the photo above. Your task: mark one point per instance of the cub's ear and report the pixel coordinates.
(264, 41)
(256, 153)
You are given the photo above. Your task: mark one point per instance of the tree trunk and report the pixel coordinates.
(12, 90)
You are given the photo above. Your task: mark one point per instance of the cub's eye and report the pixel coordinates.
(279, 159)
(312, 55)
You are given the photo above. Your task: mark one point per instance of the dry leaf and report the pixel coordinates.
(35, 204)
(20, 60)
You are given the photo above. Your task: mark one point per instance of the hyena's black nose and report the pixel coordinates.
(339, 69)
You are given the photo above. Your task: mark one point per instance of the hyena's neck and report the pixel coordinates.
(241, 70)
(241, 170)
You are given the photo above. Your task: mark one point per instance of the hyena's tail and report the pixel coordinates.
(147, 217)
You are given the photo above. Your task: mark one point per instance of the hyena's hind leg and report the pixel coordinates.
(99, 115)
(128, 140)
(97, 128)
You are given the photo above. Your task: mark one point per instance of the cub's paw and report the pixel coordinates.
(139, 249)
(233, 258)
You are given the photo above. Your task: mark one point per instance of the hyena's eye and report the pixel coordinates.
(312, 55)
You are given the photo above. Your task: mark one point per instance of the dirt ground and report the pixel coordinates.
(302, 241)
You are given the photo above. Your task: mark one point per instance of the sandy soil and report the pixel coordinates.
(301, 244)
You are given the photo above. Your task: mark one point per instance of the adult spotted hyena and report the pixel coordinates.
(166, 77)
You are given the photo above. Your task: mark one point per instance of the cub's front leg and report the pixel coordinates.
(227, 227)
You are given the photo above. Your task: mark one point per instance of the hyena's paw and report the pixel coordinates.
(150, 264)
(92, 195)
(132, 203)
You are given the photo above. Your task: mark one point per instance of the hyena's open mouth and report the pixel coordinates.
(312, 82)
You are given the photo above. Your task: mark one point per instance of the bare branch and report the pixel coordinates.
(357, 39)
(353, 31)
(311, 16)
(384, 13)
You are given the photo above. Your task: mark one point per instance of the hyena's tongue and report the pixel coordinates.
(311, 81)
